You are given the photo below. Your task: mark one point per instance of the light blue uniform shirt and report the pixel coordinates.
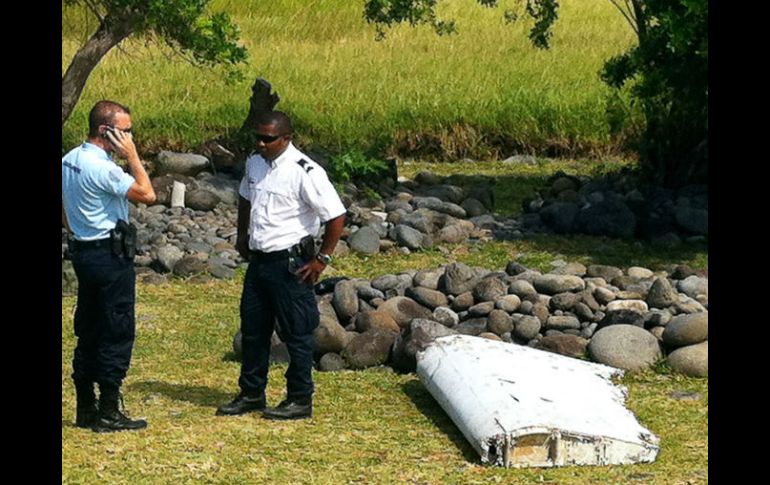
(94, 192)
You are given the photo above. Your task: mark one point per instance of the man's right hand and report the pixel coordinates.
(123, 144)
(242, 246)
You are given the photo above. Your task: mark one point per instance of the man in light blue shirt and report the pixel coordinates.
(95, 195)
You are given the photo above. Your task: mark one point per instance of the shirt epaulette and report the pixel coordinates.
(305, 165)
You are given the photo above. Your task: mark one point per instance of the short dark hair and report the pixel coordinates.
(103, 113)
(277, 118)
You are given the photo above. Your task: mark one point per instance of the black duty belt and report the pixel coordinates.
(263, 257)
(97, 243)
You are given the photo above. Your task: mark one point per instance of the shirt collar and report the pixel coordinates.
(287, 154)
(96, 149)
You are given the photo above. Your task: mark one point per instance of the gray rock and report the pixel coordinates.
(481, 309)
(523, 289)
(489, 289)
(658, 332)
(453, 234)
(408, 237)
(473, 207)
(445, 316)
(427, 178)
(188, 164)
(446, 192)
(622, 317)
(220, 271)
(564, 301)
(657, 318)
(189, 266)
(688, 305)
(473, 326)
(345, 300)
(201, 199)
(499, 322)
(661, 294)
(365, 240)
(404, 309)
(604, 295)
(224, 187)
(692, 219)
(638, 306)
(428, 278)
(685, 330)
(639, 273)
(692, 360)
(490, 336)
(367, 320)
(329, 335)
(583, 312)
(560, 216)
(366, 292)
(369, 349)
(540, 310)
(602, 271)
(551, 284)
(385, 282)
(168, 256)
(693, 286)
(608, 218)
(426, 297)
(415, 339)
(462, 302)
(331, 362)
(527, 327)
(569, 345)
(513, 268)
(458, 278)
(625, 346)
(508, 303)
(562, 323)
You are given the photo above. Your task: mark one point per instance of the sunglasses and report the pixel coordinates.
(112, 128)
(268, 139)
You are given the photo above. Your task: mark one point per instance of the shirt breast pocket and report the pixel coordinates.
(280, 203)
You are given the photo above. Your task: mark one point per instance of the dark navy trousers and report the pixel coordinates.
(104, 319)
(272, 295)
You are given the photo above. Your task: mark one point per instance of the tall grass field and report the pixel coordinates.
(484, 92)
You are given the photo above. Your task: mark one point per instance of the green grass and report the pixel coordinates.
(483, 90)
(369, 426)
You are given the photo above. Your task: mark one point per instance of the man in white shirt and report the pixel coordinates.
(284, 197)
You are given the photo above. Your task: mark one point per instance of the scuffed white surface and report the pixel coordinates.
(496, 393)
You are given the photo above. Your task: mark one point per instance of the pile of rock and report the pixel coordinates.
(616, 206)
(628, 319)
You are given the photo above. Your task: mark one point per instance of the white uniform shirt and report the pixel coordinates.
(287, 196)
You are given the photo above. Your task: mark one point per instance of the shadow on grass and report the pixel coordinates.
(198, 395)
(430, 409)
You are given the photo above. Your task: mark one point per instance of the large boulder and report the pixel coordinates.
(625, 346)
(188, 164)
(687, 329)
(692, 360)
(369, 349)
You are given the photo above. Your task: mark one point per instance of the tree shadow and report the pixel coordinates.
(428, 406)
(197, 395)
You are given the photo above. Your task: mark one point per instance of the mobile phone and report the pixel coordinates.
(108, 128)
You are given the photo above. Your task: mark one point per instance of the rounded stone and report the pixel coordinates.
(625, 346)
(692, 360)
(688, 329)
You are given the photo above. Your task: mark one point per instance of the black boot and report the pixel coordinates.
(110, 416)
(244, 402)
(87, 411)
(297, 408)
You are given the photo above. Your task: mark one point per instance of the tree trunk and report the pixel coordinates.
(87, 57)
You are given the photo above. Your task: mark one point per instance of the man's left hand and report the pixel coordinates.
(310, 272)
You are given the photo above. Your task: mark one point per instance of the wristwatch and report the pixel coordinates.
(324, 258)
